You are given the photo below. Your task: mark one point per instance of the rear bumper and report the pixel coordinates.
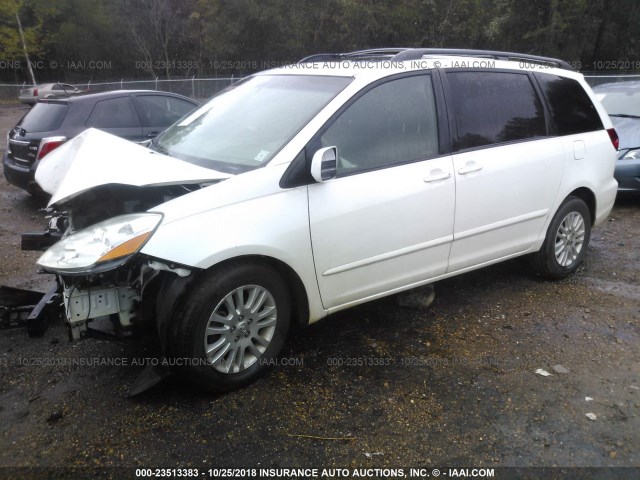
(28, 99)
(627, 174)
(605, 201)
(21, 176)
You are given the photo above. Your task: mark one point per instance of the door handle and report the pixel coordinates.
(437, 175)
(470, 167)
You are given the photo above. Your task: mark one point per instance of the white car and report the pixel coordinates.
(48, 90)
(309, 189)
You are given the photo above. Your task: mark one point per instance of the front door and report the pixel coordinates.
(386, 221)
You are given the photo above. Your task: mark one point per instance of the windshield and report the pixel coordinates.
(243, 128)
(620, 102)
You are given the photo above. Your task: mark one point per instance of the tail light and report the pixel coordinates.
(48, 144)
(35, 92)
(613, 135)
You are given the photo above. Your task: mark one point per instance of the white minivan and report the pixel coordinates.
(312, 188)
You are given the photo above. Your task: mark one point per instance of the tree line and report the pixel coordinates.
(100, 40)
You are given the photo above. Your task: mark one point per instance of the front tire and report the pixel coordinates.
(232, 325)
(565, 244)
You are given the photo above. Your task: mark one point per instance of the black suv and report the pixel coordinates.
(136, 115)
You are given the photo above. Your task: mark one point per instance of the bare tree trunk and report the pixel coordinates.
(601, 29)
(445, 24)
(24, 47)
(165, 45)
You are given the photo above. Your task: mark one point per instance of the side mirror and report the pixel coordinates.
(324, 164)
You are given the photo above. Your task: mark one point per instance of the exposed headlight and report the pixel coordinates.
(631, 155)
(101, 244)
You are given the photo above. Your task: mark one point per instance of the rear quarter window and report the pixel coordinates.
(113, 113)
(571, 108)
(44, 117)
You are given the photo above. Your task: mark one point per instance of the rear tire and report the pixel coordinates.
(566, 242)
(232, 325)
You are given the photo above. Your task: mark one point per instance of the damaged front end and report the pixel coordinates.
(120, 295)
(126, 297)
(99, 220)
(101, 274)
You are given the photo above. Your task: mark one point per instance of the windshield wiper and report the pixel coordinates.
(623, 115)
(159, 149)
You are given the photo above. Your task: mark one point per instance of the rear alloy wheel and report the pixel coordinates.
(232, 325)
(570, 239)
(566, 242)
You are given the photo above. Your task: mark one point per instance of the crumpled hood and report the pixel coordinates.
(96, 158)
(628, 130)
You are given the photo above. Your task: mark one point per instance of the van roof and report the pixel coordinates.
(405, 54)
(378, 63)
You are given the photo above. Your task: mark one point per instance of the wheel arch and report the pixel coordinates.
(297, 290)
(174, 290)
(545, 261)
(588, 197)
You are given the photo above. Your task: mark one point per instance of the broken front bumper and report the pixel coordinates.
(84, 305)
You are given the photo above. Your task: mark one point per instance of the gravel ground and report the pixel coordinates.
(376, 386)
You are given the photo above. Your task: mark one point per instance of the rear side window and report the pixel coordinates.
(114, 113)
(44, 117)
(571, 108)
(495, 107)
(162, 111)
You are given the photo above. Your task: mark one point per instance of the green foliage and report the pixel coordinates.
(31, 17)
(184, 38)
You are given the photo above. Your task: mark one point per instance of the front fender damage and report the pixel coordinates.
(172, 290)
(92, 178)
(136, 300)
(134, 294)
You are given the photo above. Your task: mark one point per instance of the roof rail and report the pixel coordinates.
(373, 53)
(404, 54)
(417, 53)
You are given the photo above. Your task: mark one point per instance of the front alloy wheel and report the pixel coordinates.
(231, 325)
(240, 328)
